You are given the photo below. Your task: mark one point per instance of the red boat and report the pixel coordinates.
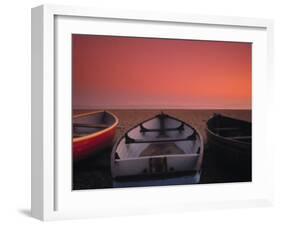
(92, 131)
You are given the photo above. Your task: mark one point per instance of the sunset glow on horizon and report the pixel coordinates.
(128, 72)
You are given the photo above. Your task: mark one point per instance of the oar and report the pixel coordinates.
(240, 137)
(102, 126)
(227, 128)
(80, 134)
(99, 126)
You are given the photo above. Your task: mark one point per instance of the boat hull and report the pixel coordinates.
(100, 128)
(146, 150)
(84, 148)
(189, 178)
(231, 153)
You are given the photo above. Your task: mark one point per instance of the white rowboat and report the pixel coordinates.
(158, 146)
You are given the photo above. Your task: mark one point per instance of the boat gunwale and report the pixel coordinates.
(223, 137)
(113, 159)
(95, 134)
(158, 156)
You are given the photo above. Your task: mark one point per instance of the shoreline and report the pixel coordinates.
(94, 173)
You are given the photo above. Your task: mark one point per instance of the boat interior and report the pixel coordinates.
(161, 135)
(91, 123)
(231, 128)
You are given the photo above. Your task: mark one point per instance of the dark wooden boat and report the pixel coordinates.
(92, 132)
(231, 139)
(158, 146)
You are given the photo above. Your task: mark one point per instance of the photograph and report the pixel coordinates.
(149, 111)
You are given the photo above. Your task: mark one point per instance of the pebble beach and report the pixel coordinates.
(94, 172)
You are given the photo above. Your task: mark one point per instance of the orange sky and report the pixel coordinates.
(123, 72)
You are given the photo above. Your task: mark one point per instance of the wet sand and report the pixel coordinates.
(95, 171)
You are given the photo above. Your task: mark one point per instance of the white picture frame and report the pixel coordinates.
(52, 197)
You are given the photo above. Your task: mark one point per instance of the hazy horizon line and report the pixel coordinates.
(155, 108)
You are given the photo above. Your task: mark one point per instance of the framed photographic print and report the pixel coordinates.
(137, 112)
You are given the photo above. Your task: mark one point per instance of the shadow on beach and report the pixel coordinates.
(94, 172)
